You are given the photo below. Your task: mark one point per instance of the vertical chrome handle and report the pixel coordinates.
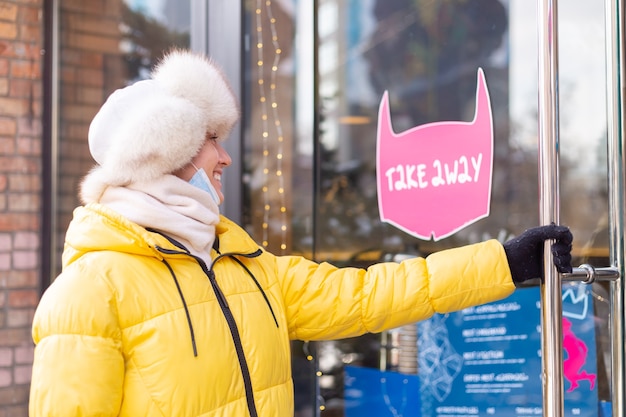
(551, 302)
(552, 355)
(614, 23)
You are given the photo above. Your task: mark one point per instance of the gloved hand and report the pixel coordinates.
(525, 252)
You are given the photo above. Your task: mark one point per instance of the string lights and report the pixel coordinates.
(270, 116)
(270, 111)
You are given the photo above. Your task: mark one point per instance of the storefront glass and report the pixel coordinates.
(312, 189)
(102, 46)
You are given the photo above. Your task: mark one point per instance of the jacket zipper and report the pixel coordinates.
(230, 320)
(234, 332)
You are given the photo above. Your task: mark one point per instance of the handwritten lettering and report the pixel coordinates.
(416, 176)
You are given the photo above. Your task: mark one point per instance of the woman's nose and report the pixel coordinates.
(224, 156)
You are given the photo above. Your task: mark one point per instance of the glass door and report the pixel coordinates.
(100, 49)
(309, 175)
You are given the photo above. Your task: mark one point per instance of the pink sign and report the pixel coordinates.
(435, 179)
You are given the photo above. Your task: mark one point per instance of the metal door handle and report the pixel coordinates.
(589, 274)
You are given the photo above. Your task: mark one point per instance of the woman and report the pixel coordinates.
(166, 308)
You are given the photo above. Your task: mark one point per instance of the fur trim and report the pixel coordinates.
(155, 127)
(199, 80)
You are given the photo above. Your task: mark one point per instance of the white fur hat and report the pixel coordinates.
(156, 126)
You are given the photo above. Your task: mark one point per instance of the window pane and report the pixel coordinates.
(311, 188)
(278, 157)
(103, 46)
(426, 55)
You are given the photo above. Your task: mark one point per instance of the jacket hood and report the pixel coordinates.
(98, 228)
(233, 239)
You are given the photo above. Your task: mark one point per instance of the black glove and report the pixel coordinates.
(525, 252)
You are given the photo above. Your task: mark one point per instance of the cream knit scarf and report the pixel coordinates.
(173, 207)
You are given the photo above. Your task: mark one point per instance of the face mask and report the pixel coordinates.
(201, 180)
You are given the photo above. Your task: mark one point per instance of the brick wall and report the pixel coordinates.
(21, 29)
(91, 66)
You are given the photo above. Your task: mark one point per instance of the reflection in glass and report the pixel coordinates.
(268, 105)
(425, 54)
(100, 52)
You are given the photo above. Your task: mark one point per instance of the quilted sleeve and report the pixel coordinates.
(78, 368)
(325, 302)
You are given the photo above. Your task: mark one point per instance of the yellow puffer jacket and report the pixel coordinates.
(134, 326)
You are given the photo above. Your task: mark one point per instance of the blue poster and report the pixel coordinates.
(372, 393)
(486, 360)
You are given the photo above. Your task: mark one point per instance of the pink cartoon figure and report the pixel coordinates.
(435, 179)
(576, 351)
